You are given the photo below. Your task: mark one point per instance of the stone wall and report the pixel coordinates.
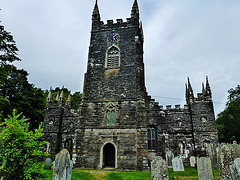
(59, 127)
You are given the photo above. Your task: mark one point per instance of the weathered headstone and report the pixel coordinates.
(235, 169)
(62, 166)
(192, 161)
(151, 156)
(204, 167)
(236, 148)
(169, 156)
(48, 148)
(48, 164)
(177, 164)
(225, 154)
(211, 151)
(159, 169)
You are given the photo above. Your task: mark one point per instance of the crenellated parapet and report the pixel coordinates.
(97, 24)
(177, 108)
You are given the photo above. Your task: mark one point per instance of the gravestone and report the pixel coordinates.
(235, 169)
(236, 148)
(48, 164)
(211, 151)
(225, 154)
(177, 164)
(151, 156)
(62, 166)
(159, 169)
(192, 161)
(204, 167)
(169, 156)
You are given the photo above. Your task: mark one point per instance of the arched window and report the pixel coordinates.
(152, 138)
(111, 115)
(113, 58)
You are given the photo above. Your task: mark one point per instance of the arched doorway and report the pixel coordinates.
(109, 155)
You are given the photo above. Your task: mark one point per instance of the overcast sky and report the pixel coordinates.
(183, 38)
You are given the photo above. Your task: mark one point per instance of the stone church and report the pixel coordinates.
(118, 125)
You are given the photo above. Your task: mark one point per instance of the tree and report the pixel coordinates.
(18, 93)
(228, 121)
(15, 90)
(76, 99)
(20, 148)
(8, 48)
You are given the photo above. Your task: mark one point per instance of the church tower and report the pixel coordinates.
(115, 64)
(113, 120)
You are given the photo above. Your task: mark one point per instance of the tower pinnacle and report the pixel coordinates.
(135, 11)
(189, 92)
(96, 14)
(208, 89)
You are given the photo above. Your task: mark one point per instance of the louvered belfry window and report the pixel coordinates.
(113, 58)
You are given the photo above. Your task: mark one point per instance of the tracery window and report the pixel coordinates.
(113, 58)
(111, 116)
(152, 138)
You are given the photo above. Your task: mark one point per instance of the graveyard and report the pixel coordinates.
(116, 129)
(221, 162)
(189, 173)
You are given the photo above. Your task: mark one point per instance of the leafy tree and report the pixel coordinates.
(15, 90)
(20, 148)
(228, 121)
(76, 99)
(8, 48)
(19, 94)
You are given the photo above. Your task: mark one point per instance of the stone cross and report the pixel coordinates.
(204, 167)
(177, 164)
(62, 166)
(159, 169)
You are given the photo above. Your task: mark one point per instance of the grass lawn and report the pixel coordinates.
(128, 176)
(76, 174)
(189, 174)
